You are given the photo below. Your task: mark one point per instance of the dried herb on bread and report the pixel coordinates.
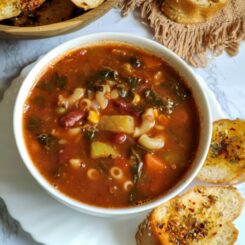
(202, 216)
(225, 162)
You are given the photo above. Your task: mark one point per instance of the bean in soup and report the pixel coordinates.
(111, 125)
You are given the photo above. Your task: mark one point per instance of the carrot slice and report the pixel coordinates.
(153, 164)
(154, 168)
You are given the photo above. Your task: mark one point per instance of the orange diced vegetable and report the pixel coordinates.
(153, 164)
(154, 168)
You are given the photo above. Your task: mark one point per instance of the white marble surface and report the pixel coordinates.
(225, 76)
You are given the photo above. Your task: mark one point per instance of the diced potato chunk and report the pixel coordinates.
(117, 123)
(100, 150)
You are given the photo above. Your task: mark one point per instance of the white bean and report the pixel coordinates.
(75, 163)
(151, 143)
(74, 131)
(114, 94)
(148, 122)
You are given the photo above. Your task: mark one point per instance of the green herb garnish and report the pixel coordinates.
(48, 141)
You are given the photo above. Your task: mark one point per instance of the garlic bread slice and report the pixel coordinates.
(202, 216)
(87, 4)
(225, 162)
(9, 9)
(13, 8)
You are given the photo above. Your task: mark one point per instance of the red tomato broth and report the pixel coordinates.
(44, 133)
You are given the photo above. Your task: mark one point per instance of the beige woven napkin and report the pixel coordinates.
(195, 42)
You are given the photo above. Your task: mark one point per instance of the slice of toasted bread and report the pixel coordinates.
(87, 4)
(201, 216)
(191, 11)
(12, 8)
(50, 12)
(30, 5)
(225, 162)
(9, 9)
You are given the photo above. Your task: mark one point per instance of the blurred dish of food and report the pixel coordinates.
(40, 19)
(13, 8)
(25, 13)
(203, 215)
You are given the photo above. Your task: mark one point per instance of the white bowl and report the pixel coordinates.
(156, 49)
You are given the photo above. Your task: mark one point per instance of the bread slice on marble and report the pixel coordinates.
(202, 216)
(225, 162)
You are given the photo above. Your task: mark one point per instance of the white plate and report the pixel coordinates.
(47, 220)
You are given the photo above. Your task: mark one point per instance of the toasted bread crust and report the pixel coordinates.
(13, 8)
(178, 221)
(145, 234)
(87, 4)
(225, 162)
(190, 11)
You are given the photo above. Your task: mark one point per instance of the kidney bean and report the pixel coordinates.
(122, 105)
(71, 118)
(119, 138)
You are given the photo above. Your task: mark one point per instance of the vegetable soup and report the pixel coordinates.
(111, 125)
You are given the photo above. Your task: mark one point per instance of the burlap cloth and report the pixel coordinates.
(195, 43)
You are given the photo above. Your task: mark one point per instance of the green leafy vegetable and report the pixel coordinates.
(46, 85)
(90, 134)
(149, 96)
(130, 96)
(122, 91)
(135, 62)
(136, 165)
(60, 82)
(107, 74)
(33, 124)
(103, 167)
(133, 82)
(48, 141)
(164, 104)
(178, 89)
(56, 82)
(39, 101)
